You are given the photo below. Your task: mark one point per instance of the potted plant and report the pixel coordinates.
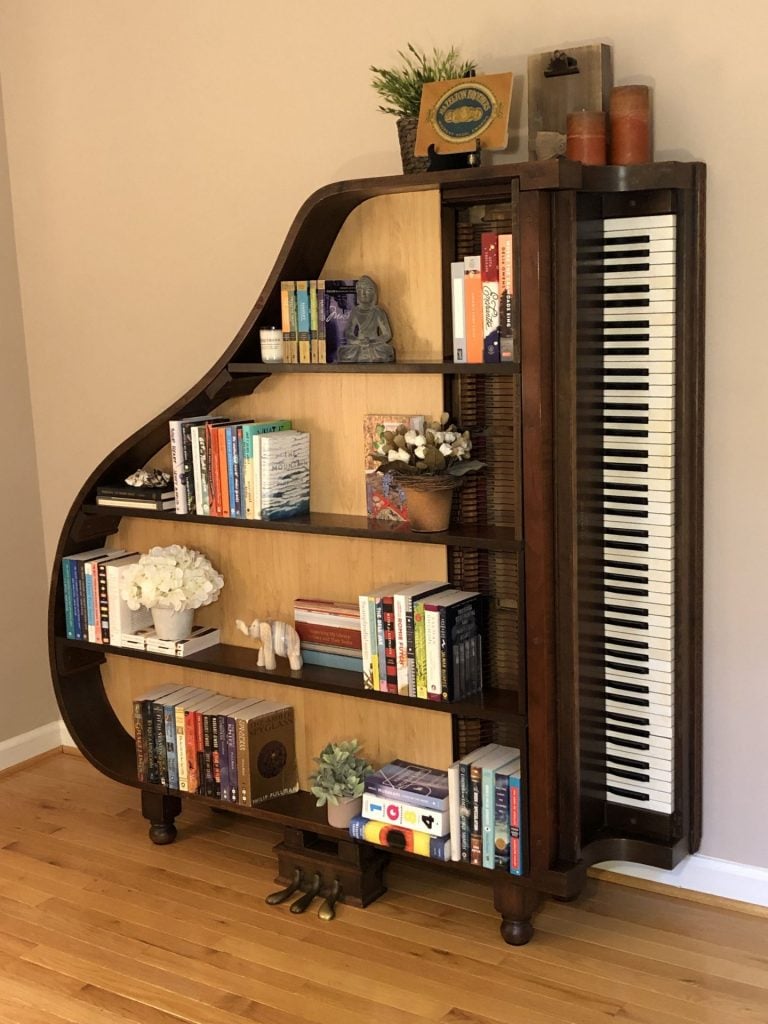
(172, 582)
(339, 779)
(429, 466)
(400, 88)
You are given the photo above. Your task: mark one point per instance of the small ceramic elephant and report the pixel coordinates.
(277, 638)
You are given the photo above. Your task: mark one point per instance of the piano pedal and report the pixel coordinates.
(327, 910)
(282, 895)
(301, 904)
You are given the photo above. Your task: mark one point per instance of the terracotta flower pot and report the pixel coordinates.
(340, 815)
(429, 502)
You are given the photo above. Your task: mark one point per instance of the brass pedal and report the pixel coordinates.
(327, 910)
(304, 901)
(282, 895)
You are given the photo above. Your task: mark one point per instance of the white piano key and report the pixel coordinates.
(659, 764)
(659, 806)
(646, 222)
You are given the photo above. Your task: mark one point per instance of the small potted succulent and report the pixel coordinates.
(172, 582)
(400, 89)
(339, 780)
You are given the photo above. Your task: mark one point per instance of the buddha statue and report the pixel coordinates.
(368, 334)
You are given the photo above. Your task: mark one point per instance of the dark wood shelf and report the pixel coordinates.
(491, 538)
(425, 366)
(232, 660)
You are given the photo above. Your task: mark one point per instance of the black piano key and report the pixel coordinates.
(627, 792)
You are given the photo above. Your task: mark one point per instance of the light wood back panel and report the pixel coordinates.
(395, 239)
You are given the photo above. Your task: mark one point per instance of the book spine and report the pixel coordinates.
(181, 748)
(457, 312)
(230, 435)
(446, 657)
(473, 309)
(232, 758)
(390, 649)
(90, 628)
(197, 479)
(313, 323)
(432, 649)
(424, 800)
(476, 819)
(221, 449)
(81, 615)
(102, 618)
(488, 815)
(515, 826)
(501, 822)
(507, 312)
(172, 764)
(365, 643)
(321, 347)
(400, 609)
(177, 467)
(338, 636)
(292, 345)
(303, 321)
(489, 276)
(243, 764)
(204, 504)
(330, 660)
(395, 812)
(66, 586)
(147, 725)
(454, 810)
(221, 764)
(258, 497)
(200, 752)
(465, 812)
(212, 450)
(215, 791)
(190, 747)
(159, 770)
(247, 475)
(420, 650)
(357, 827)
(285, 314)
(186, 439)
(207, 771)
(141, 741)
(396, 837)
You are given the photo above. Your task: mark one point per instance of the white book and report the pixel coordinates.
(457, 309)
(122, 619)
(405, 652)
(395, 812)
(367, 648)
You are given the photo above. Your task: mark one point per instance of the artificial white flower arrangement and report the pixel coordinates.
(173, 577)
(443, 449)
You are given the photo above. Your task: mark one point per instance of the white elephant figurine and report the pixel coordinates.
(277, 638)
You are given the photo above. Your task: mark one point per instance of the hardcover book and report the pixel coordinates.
(412, 783)
(339, 299)
(266, 752)
(284, 474)
(395, 812)
(395, 837)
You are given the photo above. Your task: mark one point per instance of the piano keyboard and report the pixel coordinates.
(626, 285)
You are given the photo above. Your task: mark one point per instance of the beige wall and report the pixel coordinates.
(26, 698)
(158, 152)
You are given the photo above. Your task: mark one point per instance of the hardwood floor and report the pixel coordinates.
(99, 925)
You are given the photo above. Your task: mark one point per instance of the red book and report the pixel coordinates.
(334, 636)
(390, 647)
(221, 441)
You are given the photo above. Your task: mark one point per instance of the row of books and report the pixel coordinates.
(483, 303)
(239, 751)
(329, 632)
(239, 469)
(471, 813)
(314, 318)
(422, 640)
(93, 608)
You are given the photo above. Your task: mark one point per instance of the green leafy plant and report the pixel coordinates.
(401, 87)
(340, 773)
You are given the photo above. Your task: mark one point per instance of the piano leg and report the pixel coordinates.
(160, 810)
(516, 906)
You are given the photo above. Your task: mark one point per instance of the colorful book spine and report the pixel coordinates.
(507, 307)
(465, 811)
(303, 321)
(489, 276)
(476, 820)
(395, 837)
(420, 650)
(516, 866)
(366, 645)
(321, 345)
(390, 650)
(396, 812)
(473, 309)
(345, 662)
(457, 313)
(289, 324)
(181, 748)
(314, 352)
(142, 758)
(501, 830)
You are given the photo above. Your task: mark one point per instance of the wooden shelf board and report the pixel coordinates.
(249, 369)
(232, 660)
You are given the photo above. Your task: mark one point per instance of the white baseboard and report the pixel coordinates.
(32, 744)
(702, 874)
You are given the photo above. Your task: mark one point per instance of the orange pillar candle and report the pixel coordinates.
(630, 124)
(586, 136)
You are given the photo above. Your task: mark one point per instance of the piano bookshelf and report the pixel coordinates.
(584, 532)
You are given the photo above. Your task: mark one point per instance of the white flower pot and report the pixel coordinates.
(340, 815)
(172, 625)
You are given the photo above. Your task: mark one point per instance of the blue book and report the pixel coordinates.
(347, 662)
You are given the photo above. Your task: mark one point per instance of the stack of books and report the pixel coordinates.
(486, 808)
(422, 640)
(483, 303)
(314, 318)
(406, 807)
(239, 469)
(239, 751)
(95, 611)
(329, 632)
(124, 496)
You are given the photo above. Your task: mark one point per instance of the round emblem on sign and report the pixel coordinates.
(272, 759)
(463, 112)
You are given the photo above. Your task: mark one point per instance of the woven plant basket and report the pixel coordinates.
(430, 500)
(406, 133)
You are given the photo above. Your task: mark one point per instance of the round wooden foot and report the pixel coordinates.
(565, 899)
(516, 933)
(162, 834)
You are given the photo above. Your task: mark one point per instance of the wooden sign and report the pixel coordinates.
(560, 82)
(458, 113)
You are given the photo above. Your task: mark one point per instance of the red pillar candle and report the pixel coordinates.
(586, 136)
(630, 124)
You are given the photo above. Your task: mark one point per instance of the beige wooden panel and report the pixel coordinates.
(386, 730)
(396, 241)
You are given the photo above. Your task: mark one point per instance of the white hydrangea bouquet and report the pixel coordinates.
(443, 449)
(173, 577)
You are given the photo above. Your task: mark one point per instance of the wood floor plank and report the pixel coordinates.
(99, 926)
